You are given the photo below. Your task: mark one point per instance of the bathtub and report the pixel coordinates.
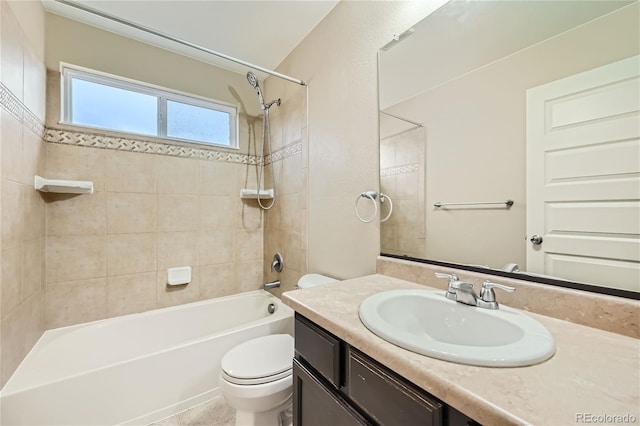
(136, 369)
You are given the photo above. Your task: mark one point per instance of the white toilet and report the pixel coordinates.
(256, 376)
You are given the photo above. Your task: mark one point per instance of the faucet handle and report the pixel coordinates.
(463, 286)
(451, 277)
(487, 294)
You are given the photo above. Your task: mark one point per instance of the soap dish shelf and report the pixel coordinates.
(252, 194)
(63, 186)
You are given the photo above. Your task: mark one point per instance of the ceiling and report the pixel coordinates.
(465, 35)
(259, 32)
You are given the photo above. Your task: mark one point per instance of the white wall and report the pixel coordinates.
(339, 60)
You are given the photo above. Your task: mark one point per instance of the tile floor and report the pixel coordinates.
(214, 413)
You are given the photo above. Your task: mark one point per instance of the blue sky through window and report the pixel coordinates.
(98, 105)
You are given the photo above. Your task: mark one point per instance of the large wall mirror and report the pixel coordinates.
(510, 141)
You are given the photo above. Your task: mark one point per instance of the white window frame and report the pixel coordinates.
(69, 72)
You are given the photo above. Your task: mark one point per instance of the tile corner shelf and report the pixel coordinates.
(252, 194)
(63, 186)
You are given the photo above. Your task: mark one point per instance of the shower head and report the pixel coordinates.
(253, 81)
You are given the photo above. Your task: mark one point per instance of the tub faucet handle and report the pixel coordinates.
(278, 263)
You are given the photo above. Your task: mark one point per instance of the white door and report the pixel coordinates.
(583, 176)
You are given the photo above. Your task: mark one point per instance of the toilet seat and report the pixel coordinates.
(260, 360)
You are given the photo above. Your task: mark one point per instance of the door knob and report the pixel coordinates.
(536, 239)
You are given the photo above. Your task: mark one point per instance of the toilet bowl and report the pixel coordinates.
(256, 377)
(256, 380)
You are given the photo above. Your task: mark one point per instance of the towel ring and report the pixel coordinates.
(372, 196)
(384, 197)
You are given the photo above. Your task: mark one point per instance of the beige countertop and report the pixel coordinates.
(593, 373)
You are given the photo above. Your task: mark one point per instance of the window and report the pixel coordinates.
(107, 102)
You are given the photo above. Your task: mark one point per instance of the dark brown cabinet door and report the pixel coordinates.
(319, 349)
(386, 398)
(314, 404)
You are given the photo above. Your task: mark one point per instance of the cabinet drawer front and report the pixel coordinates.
(386, 399)
(319, 348)
(316, 405)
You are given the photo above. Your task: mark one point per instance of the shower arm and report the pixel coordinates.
(177, 40)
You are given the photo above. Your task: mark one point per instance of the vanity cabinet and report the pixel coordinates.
(335, 384)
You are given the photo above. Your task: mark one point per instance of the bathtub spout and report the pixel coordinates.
(272, 284)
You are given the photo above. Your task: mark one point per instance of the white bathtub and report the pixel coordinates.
(135, 369)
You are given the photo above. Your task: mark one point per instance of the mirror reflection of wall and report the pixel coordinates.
(402, 169)
(464, 73)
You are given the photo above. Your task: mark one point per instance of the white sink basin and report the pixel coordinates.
(428, 323)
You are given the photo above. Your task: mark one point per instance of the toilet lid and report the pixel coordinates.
(268, 357)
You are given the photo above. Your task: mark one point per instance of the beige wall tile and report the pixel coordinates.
(76, 163)
(248, 276)
(176, 295)
(248, 244)
(33, 214)
(131, 253)
(11, 274)
(177, 175)
(219, 211)
(33, 267)
(217, 280)
(250, 215)
(84, 214)
(293, 176)
(12, 343)
(34, 83)
(216, 247)
(11, 213)
(127, 294)
(130, 172)
(131, 213)
(33, 156)
(32, 312)
(178, 213)
(77, 257)
(177, 249)
(273, 216)
(294, 121)
(290, 205)
(11, 135)
(275, 136)
(76, 302)
(11, 55)
(407, 186)
(219, 178)
(292, 246)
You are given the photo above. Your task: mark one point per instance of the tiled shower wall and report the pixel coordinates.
(108, 252)
(402, 178)
(22, 241)
(158, 206)
(286, 223)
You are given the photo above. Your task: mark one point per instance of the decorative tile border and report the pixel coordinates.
(94, 140)
(287, 151)
(15, 107)
(399, 170)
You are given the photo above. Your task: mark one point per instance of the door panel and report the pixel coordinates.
(583, 176)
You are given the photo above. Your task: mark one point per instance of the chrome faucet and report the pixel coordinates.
(462, 292)
(271, 285)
